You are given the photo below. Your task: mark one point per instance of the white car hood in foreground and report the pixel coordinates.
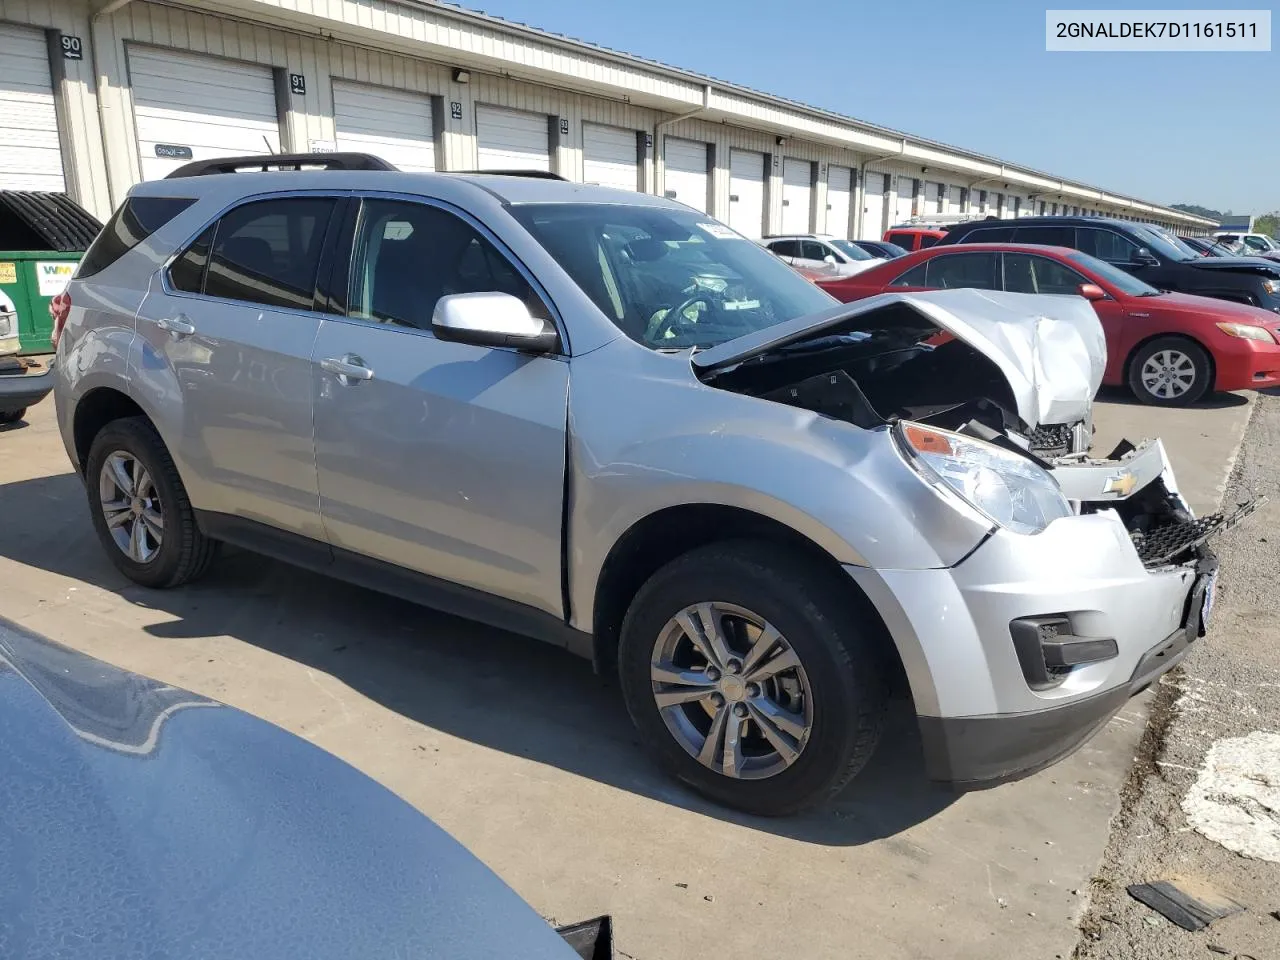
(1050, 349)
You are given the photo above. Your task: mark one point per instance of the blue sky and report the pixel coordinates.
(1166, 127)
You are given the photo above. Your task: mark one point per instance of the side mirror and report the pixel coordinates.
(829, 260)
(1091, 291)
(1145, 258)
(492, 320)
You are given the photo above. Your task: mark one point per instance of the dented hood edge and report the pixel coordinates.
(1050, 349)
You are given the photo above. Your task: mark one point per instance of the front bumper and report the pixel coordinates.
(1245, 364)
(27, 387)
(985, 715)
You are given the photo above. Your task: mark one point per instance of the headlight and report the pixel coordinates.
(1246, 331)
(1007, 488)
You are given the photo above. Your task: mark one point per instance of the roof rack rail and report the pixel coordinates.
(281, 162)
(535, 174)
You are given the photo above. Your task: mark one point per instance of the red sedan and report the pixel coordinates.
(1169, 348)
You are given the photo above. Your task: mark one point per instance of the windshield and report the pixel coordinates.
(1161, 246)
(1124, 282)
(670, 279)
(893, 250)
(1182, 245)
(851, 250)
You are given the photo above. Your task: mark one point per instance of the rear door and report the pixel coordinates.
(234, 319)
(440, 458)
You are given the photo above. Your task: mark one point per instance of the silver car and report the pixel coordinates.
(605, 420)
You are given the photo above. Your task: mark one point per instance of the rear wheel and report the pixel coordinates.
(753, 677)
(140, 508)
(1170, 372)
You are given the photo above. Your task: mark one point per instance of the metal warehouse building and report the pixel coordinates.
(96, 95)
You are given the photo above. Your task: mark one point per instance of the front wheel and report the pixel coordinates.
(752, 674)
(1170, 372)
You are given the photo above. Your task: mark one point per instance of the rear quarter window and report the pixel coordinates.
(137, 219)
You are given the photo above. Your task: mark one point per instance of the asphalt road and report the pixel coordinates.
(529, 759)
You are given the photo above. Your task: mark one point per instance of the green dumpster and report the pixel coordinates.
(42, 238)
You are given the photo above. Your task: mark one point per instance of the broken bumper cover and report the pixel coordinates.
(1101, 624)
(980, 752)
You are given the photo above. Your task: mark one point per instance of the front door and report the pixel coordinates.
(234, 324)
(443, 458)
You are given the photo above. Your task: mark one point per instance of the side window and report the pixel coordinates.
(187, 271)
(811, 250)
(989, 235)
(1046, 236)
(267, 252)
(928, 240)
(1105, 245)
(963, 270)
(1024, 273)
(915, 277)
(786, 248)
(409, 255)
(904, 240)
(137, 219)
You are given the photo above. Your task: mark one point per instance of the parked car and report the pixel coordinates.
(1142, 252)
(880, 248)
(24, 382)
(1168, 348)
(143, 820)
(817, 255)
(1251, 243)
(914, 238)
(604, 420)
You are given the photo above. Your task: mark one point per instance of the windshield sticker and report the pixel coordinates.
(719, 231)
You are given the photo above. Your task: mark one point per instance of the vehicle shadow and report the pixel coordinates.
(1212, 401)
(492, 688)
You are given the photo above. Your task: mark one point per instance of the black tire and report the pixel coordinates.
(12, 416)
(831, 636)
(1201, 366)
(185, 552)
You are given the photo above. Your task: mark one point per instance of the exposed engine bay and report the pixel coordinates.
(887, 364)
(885, 371)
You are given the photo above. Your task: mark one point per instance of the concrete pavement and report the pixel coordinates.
(526, 757)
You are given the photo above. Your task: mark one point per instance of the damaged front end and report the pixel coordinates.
(1021, 367)
(1137, 482)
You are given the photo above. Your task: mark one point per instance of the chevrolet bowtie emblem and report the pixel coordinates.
(1121, 483)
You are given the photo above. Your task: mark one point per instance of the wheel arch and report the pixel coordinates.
(97, 408)
(660, 537)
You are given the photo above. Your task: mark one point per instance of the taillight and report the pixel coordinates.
(59, 309)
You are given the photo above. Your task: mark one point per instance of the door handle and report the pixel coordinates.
(349, 369)
(177, 327)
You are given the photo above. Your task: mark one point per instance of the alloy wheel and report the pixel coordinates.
(131, 507)
(731, 691)
(1168, 374)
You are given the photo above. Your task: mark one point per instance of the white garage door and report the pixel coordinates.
(186, 103)
(392, 124)
(609, 157)
(797, 193)
(30, 155)
(933, 194)
(685, 163)
(746, 192)
(873, 198)
(512, 139)
(906, 200)
(953, 199)
(839, 195)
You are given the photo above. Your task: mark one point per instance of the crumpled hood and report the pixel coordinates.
(144, 820)
(1051, 349)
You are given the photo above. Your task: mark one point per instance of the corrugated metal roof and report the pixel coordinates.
(54, 218)
(469, 13)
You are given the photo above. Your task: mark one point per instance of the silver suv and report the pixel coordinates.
(604, 420)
